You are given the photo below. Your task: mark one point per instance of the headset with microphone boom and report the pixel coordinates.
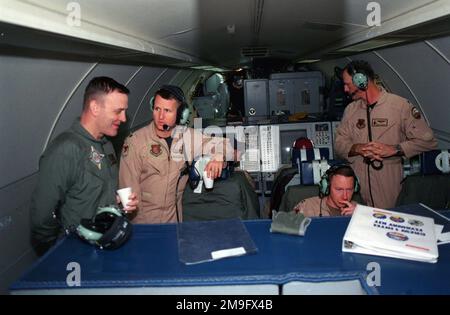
(172, 91)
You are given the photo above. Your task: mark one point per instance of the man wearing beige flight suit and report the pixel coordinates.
(377, 129)
(153, 158)
(336, 189)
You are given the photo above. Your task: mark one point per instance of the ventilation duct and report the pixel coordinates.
(255, 51)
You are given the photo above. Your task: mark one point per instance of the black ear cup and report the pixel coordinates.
(194, 176)
(117, 235)
(183, 114)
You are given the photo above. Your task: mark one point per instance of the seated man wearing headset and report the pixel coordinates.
(154, 158)
(336, 189)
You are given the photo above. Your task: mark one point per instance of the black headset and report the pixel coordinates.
(324, 184)
(108, 229)
(195, 176)
(183, 110)
(359, 76)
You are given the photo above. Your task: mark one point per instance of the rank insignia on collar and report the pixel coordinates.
(96, 157)
(361, 124)
(155, 149)
(415, 113)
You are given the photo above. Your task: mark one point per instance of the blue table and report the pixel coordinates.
(149, 263)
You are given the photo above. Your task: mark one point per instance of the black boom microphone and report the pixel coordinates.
(166, 127)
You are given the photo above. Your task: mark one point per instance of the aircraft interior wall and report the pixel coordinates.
(419, 71)
(41, 96)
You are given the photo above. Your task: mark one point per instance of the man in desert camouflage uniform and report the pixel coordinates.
(377, 129)
(153, 158)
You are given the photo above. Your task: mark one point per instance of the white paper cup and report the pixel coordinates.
(124, 194)
(209, 182)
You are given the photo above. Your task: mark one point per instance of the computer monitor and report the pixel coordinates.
(287, 139)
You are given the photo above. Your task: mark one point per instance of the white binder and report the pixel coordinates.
(387, 233)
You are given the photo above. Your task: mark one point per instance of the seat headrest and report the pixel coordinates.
(435, 162)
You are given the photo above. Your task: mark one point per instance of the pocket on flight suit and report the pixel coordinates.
(92, 181)
(150, 201)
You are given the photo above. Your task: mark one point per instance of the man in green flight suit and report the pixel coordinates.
(78, 172)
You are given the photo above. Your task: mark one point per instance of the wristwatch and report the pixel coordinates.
(399, 151)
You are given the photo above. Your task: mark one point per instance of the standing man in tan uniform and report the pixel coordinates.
(377, 129)
(336, 189)
(153, 158)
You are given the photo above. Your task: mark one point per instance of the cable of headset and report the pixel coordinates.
(367, 160)
(320, 211)
(369, 128)
(370, 185)
(185, 171)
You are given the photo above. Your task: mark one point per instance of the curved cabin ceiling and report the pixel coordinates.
(222, 33)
